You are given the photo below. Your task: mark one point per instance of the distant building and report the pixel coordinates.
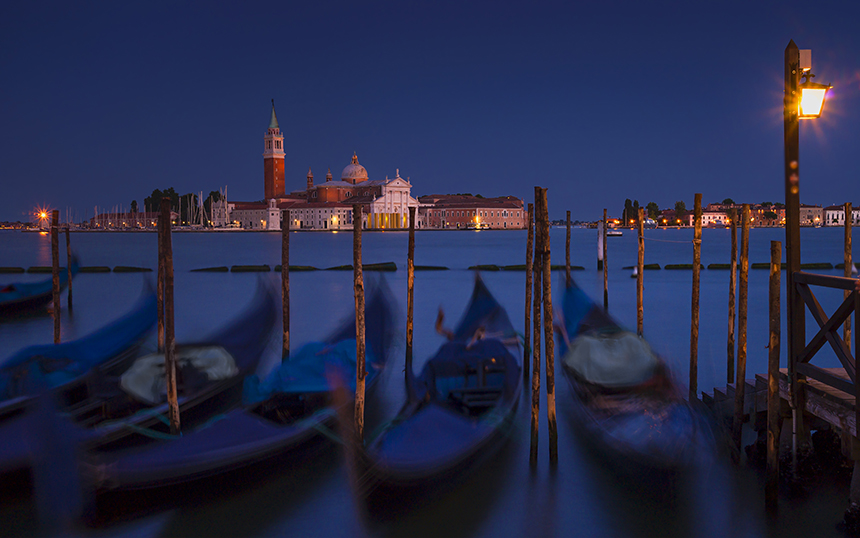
(445, 211)
(329, 205)
(811, 215)
(834, 215)
(324, 206)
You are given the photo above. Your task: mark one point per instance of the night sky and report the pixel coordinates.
(599, 101)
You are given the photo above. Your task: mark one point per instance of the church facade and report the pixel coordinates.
(323, 206)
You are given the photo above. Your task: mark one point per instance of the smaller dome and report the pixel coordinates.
(354, 172)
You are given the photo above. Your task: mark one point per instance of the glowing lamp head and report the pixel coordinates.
(812, 97)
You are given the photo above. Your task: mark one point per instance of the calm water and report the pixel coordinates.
(313, 497)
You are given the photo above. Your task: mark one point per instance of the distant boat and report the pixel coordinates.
(614, 233)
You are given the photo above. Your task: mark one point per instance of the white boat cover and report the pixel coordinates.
(615, 359)
(145, 379)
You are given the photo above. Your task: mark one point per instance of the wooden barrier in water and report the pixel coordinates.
(773, 406)
(605, 266)
(69, 267)
(537, 273)
(567, 253)
(285, 282)
(360, 370)
(529, 268)
(741, 369)
(55, 272)
(410, 289)
(849, 218)
(640, 276)
(166, 261)
(549, 341)
(733, 280)
(694, 323)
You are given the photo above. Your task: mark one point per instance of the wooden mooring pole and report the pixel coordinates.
(360, 370)
(605, 270)
(166, 255)
(285, 282)
(694, 323)
(536, 326)
(55, 272)
(849, 218)
(567, 252)
(733, 281)
(740, 378)
(640, 277)
(159, 280)
(69, 265)
(771, 492)
(549, 341)
(410, 289)
(527, 333)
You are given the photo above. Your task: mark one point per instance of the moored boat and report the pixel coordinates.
(288, 409)
(458, 410)
(626, 405)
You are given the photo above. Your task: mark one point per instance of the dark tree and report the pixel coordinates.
(680, 212)
(627, 214)
(134, 206)
(728, 201)
(653, 210)
(635, 215)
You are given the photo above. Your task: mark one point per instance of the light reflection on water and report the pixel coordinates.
(504, 498)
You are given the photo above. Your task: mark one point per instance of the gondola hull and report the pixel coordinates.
(23, 298)
(643, 431)
(251, 435)
(459, 410)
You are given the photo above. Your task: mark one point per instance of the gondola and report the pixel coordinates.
(283, 413)
(67, 368)
(130, 409)
(626, 407)
(20, 298)
(458, 410)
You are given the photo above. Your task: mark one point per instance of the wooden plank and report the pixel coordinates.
(827, 281)
(823, 376)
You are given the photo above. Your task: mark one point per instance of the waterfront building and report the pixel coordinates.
(834, 215)
(462, 211)
(811, 215)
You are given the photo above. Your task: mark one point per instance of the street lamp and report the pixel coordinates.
(812, 96)
(800, 101)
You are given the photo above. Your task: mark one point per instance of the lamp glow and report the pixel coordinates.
(812, 96)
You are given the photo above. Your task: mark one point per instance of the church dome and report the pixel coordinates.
(354, 172)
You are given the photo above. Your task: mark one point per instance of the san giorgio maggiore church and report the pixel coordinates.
(328, 205)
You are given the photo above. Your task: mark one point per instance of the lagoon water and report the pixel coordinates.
(313, 496)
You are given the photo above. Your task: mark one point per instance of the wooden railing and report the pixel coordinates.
(828, 333)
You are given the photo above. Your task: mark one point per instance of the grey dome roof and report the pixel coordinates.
(354, 172)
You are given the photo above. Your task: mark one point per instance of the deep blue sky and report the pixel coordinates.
(102, 102)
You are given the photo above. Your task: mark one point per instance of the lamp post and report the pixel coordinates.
(801, 101)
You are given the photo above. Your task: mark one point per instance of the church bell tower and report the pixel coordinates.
(273, 159)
